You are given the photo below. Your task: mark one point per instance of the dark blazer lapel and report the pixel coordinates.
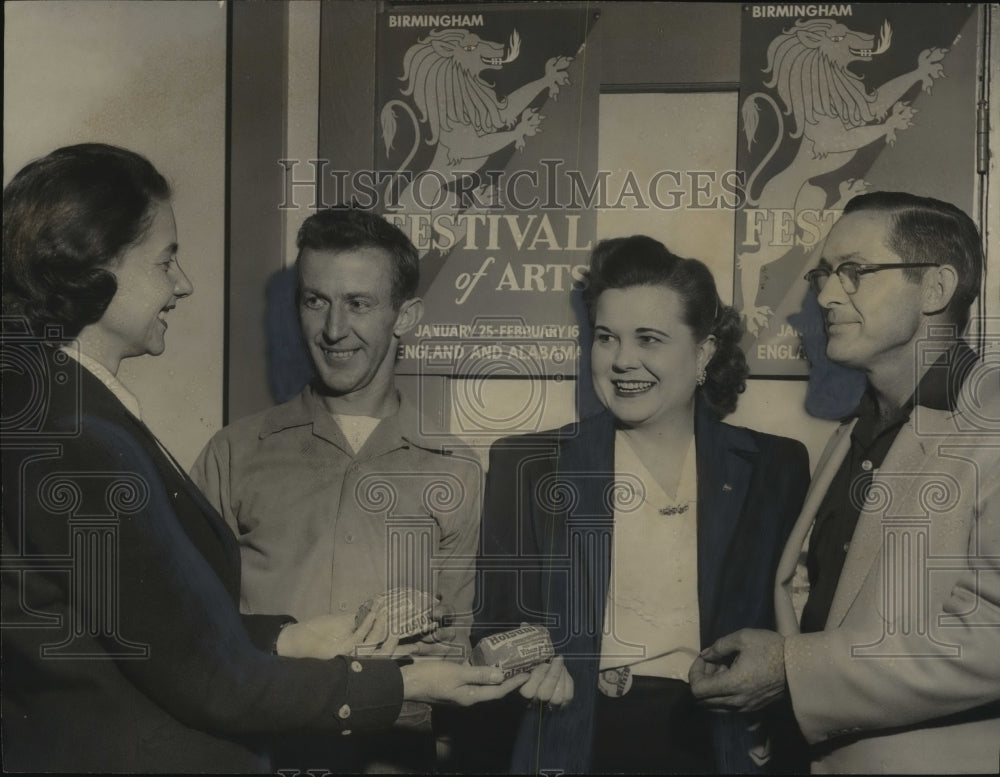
(726, 459)
(175, 480)
(580, 533)
(586, 464)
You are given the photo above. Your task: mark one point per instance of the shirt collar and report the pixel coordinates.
(106, 377)
(405, 426)
(939, 387)
(942, 383)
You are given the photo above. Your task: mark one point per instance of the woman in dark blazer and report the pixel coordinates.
(123, 648)
(641, 534)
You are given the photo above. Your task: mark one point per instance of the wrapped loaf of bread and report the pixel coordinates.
(409, 611)
(515, 651)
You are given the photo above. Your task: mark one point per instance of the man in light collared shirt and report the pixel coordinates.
(345, 491)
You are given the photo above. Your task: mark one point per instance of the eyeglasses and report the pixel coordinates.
(850, 272)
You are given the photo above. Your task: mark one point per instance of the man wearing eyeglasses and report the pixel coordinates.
(895, 663)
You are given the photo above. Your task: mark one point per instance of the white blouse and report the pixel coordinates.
(651, 620)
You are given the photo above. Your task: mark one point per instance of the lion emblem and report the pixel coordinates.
(832, 114)
(465, 120)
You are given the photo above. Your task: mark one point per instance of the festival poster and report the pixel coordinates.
(836, 100)
(486, 158)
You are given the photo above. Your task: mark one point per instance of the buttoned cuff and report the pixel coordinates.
(373, 694)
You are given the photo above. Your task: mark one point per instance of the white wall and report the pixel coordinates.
(149, 76)
(302, 121)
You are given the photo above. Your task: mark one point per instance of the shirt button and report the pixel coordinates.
(355, 468)
(343, 606)
(356, 666)
(344, 712)
(345, 732)
(866, 465)
(846, 546)
(348, 538)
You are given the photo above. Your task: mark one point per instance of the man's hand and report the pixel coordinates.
(436, 681)
(322, 637)
(741, 672)
(326, 636)
(549, 683)
(441, 643)
(443, 640)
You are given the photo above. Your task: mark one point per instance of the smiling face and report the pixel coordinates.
(877, 325)
(349, 323)
(645, 361)
(150, 282)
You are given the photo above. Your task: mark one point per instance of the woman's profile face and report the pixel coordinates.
(150, 282)
(645, 361)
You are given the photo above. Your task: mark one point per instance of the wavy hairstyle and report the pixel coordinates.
(624, 262)
(345, 229)
(67, 219)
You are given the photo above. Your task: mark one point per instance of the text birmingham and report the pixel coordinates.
(800, 9)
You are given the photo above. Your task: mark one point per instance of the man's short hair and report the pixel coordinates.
(923, 229)
(344, 229)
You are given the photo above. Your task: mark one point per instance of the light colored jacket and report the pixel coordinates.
(905, 678)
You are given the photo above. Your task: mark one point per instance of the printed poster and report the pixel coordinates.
(836, 100)
(485, 160)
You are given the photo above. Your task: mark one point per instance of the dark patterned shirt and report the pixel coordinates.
(871, 440)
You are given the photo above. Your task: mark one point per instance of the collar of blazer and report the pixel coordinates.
(101, 402)
(726, 456)
(829, 462)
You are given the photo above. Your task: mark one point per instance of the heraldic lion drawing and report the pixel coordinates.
(832, 114)
(466, 120)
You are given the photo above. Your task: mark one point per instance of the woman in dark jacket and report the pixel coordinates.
(641, 534)
(123, 646)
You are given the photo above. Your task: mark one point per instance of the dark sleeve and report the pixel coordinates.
(263, 630)
(794, 478)
(782, 485)
(789, 751)
(483, 735)
(506, 539)
(201, 664)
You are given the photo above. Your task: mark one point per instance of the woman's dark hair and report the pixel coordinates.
(624, 262)
(66, 218)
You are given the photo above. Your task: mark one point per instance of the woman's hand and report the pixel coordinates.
(549, 683)
(435, 681)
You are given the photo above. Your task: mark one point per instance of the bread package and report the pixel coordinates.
(410, 611)
(515, 651)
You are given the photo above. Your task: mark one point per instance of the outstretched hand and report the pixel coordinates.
(549, 683)
(326, 636)
(444, 682)
(743, 671)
